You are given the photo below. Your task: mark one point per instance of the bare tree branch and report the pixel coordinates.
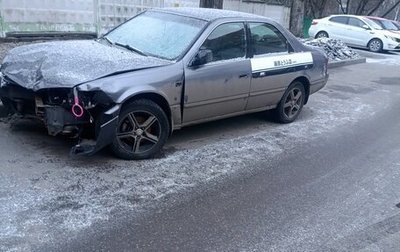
(391, 9)
(378, 4)
(341, 6)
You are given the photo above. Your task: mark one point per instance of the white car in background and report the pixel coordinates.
(356, 31)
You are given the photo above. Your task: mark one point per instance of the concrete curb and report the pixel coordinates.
(342, 63)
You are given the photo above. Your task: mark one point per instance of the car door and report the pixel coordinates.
(337, 28)
(273, 65)
(357, 33)
(221, 86)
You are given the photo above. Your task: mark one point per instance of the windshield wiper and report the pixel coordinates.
(108, 40)
(130, 48)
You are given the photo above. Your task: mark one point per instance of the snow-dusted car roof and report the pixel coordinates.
(209, 14)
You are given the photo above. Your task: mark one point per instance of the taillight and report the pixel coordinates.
(314, 23)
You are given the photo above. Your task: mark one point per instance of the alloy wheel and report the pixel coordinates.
(375, 45)
(139, 131)
(292, 104)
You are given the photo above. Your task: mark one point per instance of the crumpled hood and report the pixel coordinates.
(65, 64)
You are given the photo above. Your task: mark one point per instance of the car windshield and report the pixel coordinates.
(157, 34)
(388, 25)
(372, 24)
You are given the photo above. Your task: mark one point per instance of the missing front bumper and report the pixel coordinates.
(105, 133)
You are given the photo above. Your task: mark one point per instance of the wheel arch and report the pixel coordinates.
(375, 38)
(320, 31)
(157, 98)
(306, 84)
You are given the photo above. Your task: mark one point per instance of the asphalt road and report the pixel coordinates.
(329, 181)
(338, 192)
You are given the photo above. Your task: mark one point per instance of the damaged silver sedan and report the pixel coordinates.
(158, 72)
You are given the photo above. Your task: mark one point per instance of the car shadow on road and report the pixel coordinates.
(33, 133)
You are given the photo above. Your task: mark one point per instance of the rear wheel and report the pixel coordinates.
(291, 103)
(375, 45)
(142, 130)
(322, 34)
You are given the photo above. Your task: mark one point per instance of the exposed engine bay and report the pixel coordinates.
(64, 111)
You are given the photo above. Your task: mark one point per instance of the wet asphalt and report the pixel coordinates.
(338, 193)
(328, 182)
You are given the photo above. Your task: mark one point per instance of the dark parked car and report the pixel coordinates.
(158, 72)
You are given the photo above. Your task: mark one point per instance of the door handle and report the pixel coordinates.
(243, 76)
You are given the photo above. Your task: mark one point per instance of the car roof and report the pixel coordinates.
(376, 18)
(345, 15)
(209, 15)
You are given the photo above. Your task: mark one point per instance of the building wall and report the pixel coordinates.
(101, 15)
(47, 15)
(279, 13)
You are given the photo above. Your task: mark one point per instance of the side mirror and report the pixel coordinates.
(366, 27)
(202, 57)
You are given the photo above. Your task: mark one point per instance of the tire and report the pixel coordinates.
(322, 34)
(291, 103)
(375, 45)
(142, 130)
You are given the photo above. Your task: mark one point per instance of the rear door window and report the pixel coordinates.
(265, 38)
(340, 20)
(356, 22)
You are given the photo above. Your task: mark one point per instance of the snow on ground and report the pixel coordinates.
(45, 194)
(386, 61)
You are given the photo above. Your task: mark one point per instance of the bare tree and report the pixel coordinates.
(344, 5)
(360, 7)
(391, 9)
(297, 17)
(315, 8)
(375, 8)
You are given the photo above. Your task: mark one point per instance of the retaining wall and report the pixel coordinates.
(101, 15)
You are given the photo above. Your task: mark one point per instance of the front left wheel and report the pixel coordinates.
(142, 131)
(375, 45)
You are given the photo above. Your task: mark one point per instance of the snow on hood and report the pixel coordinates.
(69, 63)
